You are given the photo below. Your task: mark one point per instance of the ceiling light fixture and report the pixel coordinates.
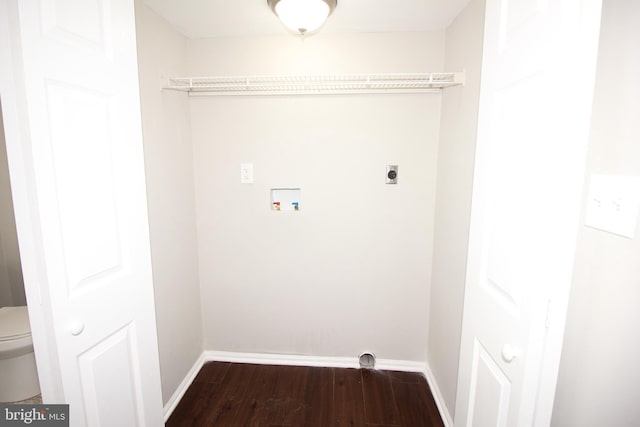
(302, 16)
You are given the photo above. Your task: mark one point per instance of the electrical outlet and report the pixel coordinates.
(391, 174)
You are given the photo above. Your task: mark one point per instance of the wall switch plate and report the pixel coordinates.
(391, 174)
(246, 173)
(613, 204)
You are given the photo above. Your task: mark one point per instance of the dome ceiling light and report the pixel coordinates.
(302, 16)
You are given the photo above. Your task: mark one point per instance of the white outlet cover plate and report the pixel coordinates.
(246, 173)
(613, 204)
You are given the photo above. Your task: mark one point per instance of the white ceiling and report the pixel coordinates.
(223, 18)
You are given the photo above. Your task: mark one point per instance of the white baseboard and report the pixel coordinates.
(400, 365)
(182, 388)
(437, 396)
(281, 359)
(300, 360)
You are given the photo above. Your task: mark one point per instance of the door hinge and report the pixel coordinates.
(547, 317)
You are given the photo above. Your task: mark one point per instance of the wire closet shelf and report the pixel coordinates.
(315, 84)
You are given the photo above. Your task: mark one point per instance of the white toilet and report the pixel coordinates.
(18, 373)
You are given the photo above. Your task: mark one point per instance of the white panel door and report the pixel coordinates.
(537, 84)
(80, 119)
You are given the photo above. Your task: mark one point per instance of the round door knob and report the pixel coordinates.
(509, 353)
(76, 328)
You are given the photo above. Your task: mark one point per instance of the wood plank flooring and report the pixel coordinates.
(234, 394)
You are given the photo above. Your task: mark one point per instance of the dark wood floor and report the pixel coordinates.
(233, 394)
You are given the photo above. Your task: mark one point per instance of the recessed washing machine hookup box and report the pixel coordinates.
(285, 199)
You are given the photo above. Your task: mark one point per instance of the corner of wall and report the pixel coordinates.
(456, 151)
(170, 198)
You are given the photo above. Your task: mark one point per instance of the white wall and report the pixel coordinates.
(11, 281)
(351, 270)
(171, 200)
(463, 51)
(318, 54)
(599, 379)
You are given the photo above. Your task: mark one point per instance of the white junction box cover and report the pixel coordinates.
(613, 204)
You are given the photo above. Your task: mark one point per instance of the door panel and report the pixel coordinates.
(490, 390)
(60, 21)
(84, 172)
(97, 376)
(513, 171)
